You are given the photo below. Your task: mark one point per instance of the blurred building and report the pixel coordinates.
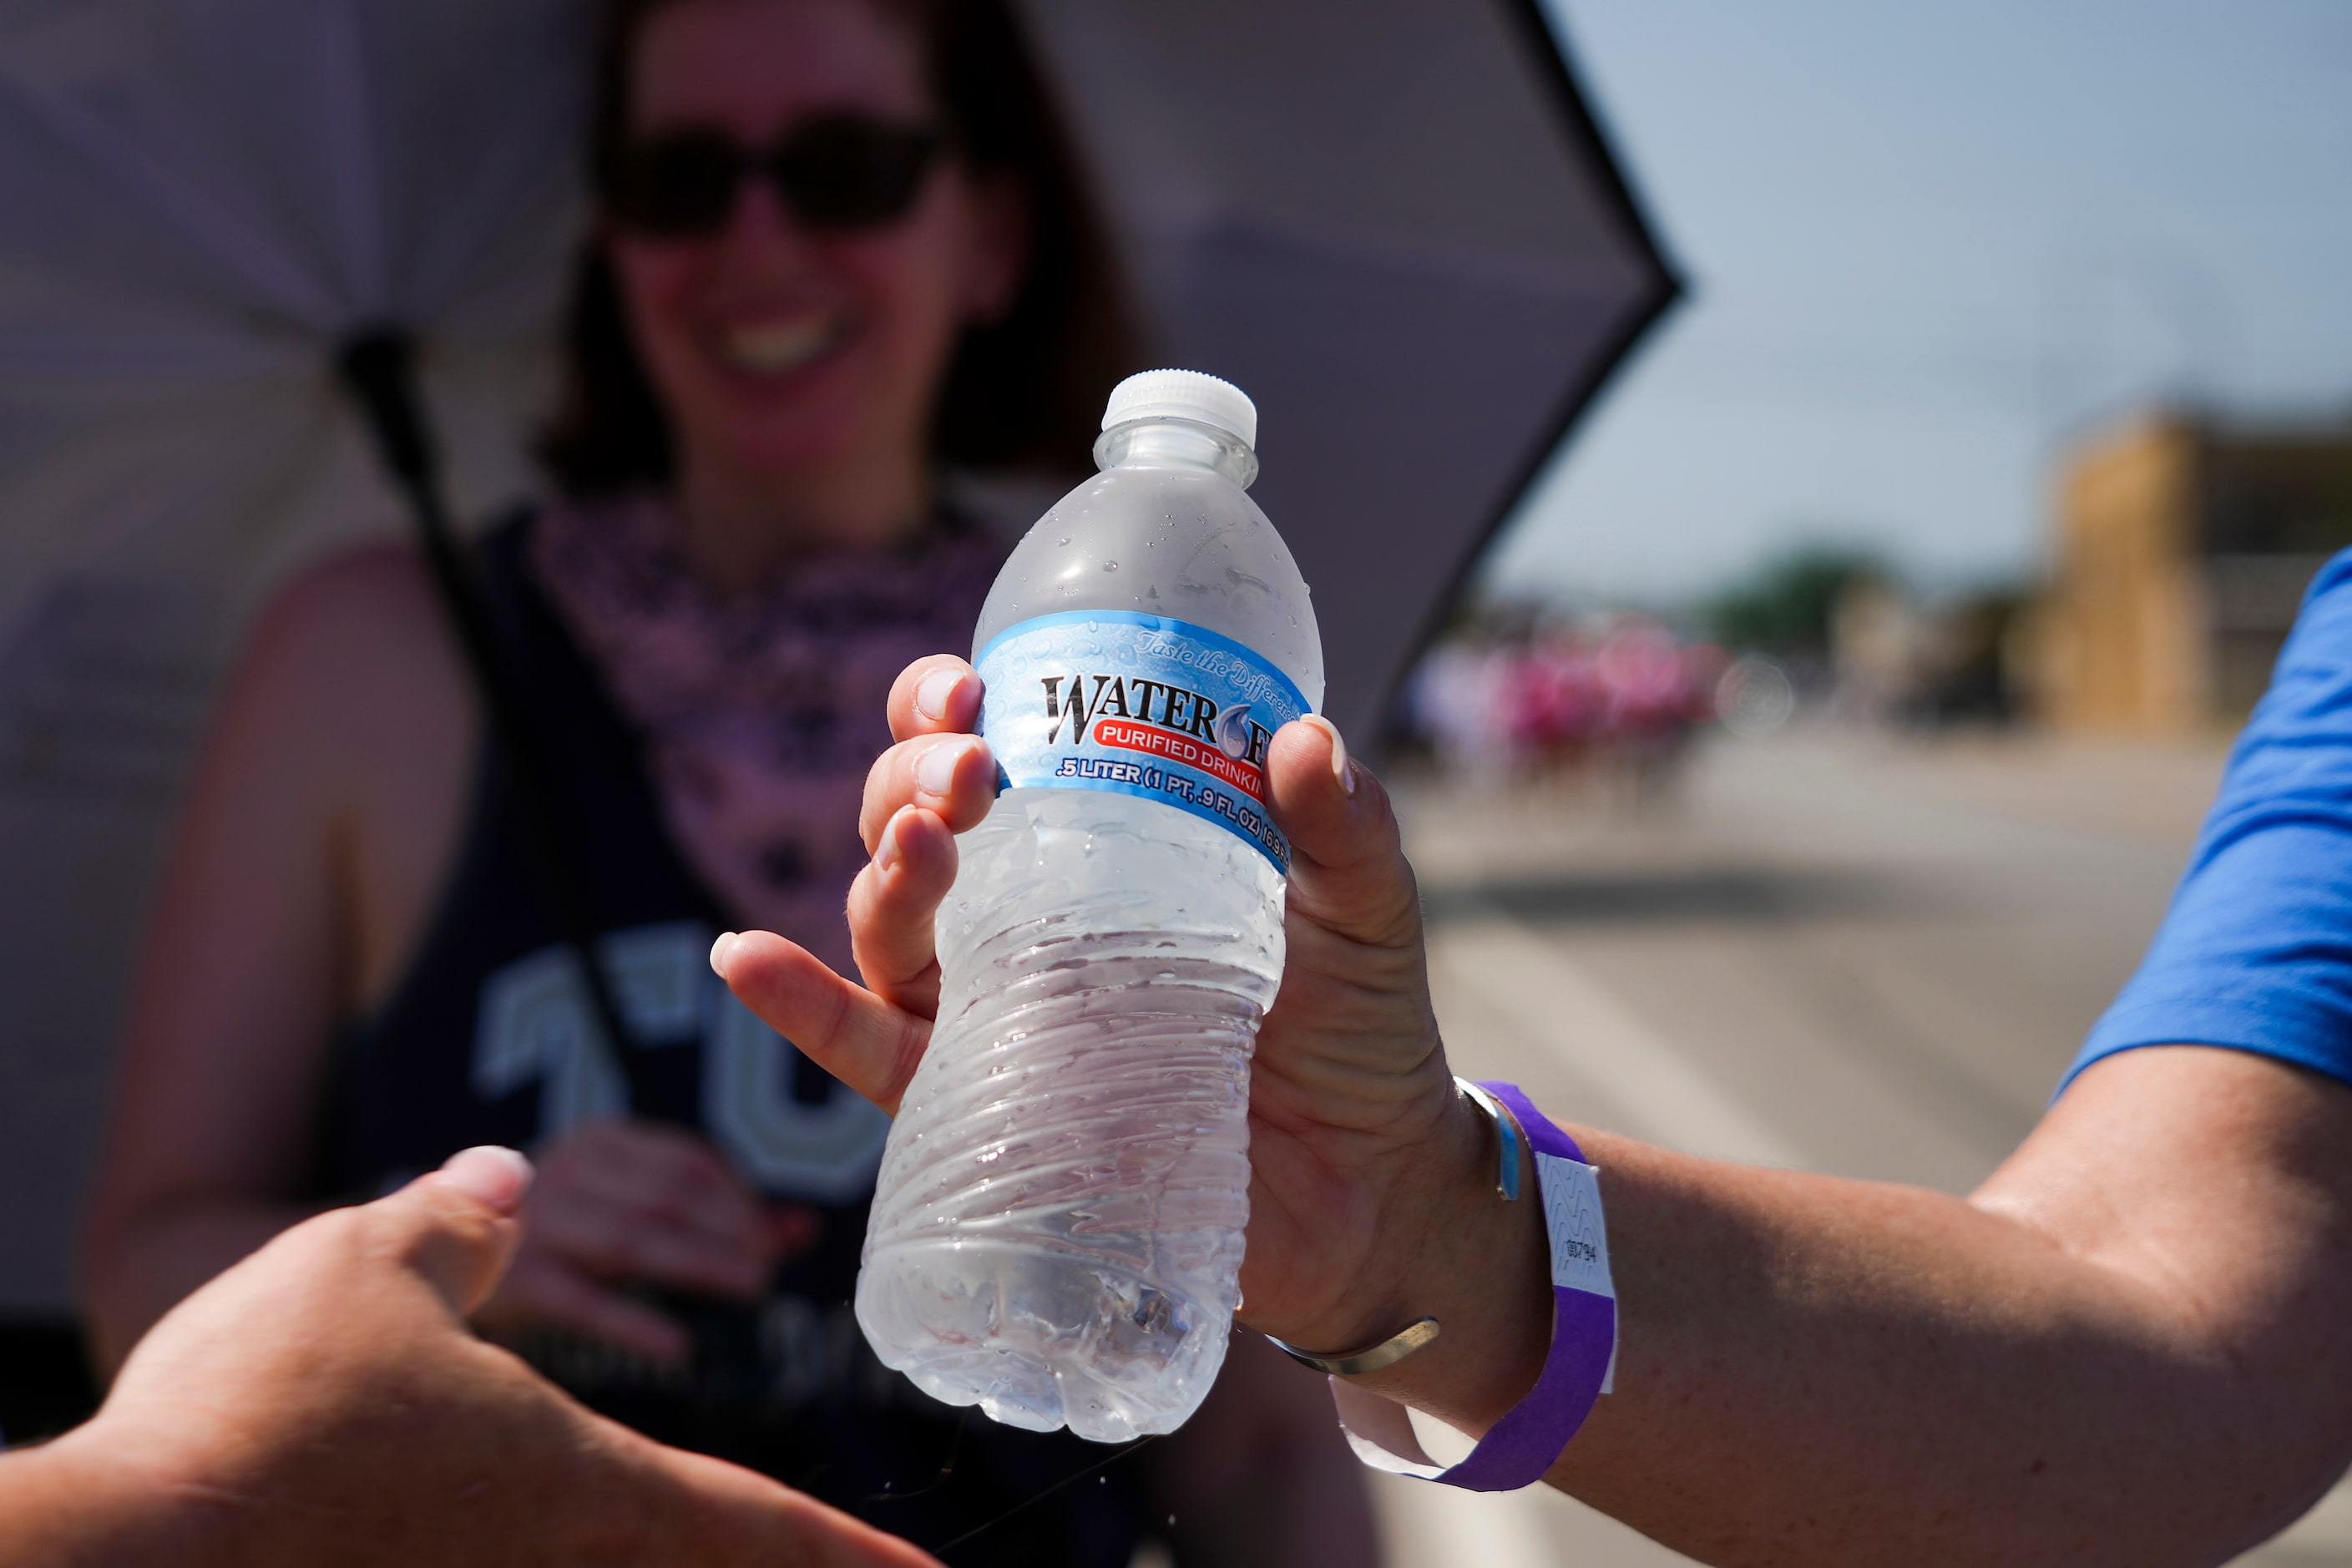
(2184, 544)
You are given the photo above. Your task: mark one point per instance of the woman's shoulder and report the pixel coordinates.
(355, 640)
(380, 585)
(371, 605)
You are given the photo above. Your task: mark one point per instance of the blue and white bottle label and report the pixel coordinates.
(1139, 705)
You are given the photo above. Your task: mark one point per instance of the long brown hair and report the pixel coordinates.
(1023, 392)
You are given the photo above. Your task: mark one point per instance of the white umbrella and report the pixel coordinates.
(1391, 221)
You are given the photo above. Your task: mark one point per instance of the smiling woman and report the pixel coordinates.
(840, 247)
(916, 270)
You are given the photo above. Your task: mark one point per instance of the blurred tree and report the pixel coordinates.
(1787, 605)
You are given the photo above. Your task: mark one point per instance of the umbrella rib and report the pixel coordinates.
(217, 232)
(358, 186)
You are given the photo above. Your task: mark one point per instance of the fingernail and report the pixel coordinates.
(886, 853)
(1342, 769)
(718, 952)
(935, 769)
(937, 691)
(496, 1176)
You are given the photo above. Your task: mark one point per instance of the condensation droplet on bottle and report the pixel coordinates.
(1110, 565)
(1066, 539)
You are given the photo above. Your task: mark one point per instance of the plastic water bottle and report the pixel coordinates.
(1058, 1227)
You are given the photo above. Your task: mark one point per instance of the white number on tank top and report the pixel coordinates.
(534, 1025)
(828, 1150)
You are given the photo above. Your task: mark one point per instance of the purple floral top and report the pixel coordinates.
(760, 714)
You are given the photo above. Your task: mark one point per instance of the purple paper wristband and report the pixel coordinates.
(1519, 1448)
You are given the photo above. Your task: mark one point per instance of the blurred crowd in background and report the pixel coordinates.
(1533, 690)
(2180, 543)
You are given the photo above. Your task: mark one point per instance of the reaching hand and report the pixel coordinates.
(1352, 1111)
(632, 1202)
(324, 1401)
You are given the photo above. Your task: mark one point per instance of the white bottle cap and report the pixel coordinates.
(1183, 395)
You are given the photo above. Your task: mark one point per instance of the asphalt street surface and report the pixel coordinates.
(1826, 951)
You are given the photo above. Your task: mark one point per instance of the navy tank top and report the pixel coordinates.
(488, 1038)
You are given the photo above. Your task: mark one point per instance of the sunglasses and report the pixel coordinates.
(839, 172)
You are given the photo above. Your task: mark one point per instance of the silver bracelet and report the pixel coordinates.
(1421, 1331)
(1371, 1358)
(1506, 1133)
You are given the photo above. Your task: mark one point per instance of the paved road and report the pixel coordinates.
(1826, 951)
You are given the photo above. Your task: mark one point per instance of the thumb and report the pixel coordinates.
(458, 1226)
(1348, 868)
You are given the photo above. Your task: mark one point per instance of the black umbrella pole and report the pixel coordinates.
(377, 366)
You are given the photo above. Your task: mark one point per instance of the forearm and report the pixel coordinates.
(148, 1259)
(1823, 1372)
(2126, 1347)
(1808, 1367)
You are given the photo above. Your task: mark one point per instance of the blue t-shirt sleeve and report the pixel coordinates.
(2256, 952)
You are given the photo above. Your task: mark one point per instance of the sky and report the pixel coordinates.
(1927, 248)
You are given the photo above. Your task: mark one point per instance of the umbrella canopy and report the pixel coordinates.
(1391, 221)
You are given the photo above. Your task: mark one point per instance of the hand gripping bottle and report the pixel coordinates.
(1058, 1226)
